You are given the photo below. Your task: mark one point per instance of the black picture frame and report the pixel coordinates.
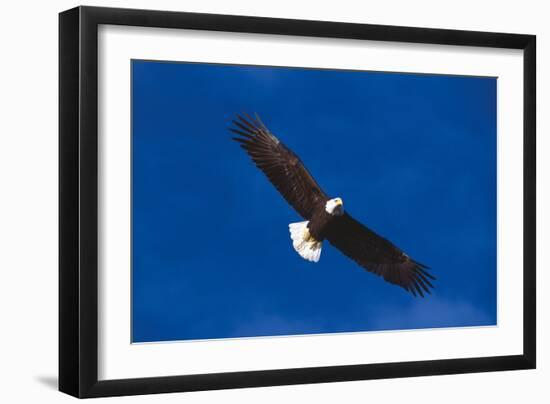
(78, 201)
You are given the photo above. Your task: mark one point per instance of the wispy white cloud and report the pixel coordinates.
(431, 312)
(272, 324)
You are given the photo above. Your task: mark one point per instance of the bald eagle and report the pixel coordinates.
(325, 218)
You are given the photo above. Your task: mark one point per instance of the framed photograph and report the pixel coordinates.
(251, 201)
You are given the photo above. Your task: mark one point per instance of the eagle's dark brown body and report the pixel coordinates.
(319, 223)
(286, 172)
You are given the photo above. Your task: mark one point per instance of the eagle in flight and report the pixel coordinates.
(325, 218)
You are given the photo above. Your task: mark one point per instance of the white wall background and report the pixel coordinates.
(28, 199)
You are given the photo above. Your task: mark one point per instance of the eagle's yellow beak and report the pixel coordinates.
(338, 201)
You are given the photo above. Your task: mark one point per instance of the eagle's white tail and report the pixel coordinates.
(304, 243)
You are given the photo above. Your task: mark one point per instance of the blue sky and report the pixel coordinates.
(412, 156)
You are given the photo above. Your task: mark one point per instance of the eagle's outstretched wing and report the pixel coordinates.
(283, 168)
(378, 255)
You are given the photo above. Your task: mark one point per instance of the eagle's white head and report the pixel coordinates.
(335, 207)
